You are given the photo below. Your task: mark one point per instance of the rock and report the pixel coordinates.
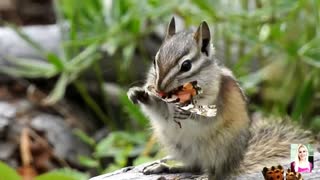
(4, 123)
(11, 110)
(7, 149)
(7, 110)
(23, 106)
(54, 124)
(134, 173)
(13, 45)
(66, 145)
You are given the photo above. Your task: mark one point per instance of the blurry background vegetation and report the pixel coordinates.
(272, 46)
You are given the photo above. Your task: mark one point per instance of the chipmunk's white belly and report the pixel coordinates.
(194, 143)
(194, 147)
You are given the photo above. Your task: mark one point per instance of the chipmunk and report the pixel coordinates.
(223, 145)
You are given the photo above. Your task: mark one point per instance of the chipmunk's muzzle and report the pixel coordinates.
(182, 94)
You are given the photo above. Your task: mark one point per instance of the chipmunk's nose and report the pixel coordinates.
(161, 94)
(157, 91)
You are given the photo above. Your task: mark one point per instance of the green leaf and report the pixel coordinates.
(84, 66)
(31, 67)
(127, 55)
(121, 157)
(88, 162)
(304, 98)
(36, 64)
(7, 173)
(84, 137)
(264, 32)
(117, 143)
(55, 176)
(73, 173)
(69, 173)
(58, 91)
(83, 56)
(207, 6)
(310, 52)
(83, 61)
(110, 145)
(16, 72)
(112, 44)
(112, 167)
(56, 61)
(315, 123)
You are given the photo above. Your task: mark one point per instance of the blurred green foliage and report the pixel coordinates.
(8, 173)
(272, 46)
(119, 145)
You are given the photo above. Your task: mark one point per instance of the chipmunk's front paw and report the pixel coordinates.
(138, 94)
(156, 168)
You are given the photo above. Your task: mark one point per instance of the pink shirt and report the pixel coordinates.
(301, 169)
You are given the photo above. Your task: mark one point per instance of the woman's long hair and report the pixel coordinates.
(297, 160)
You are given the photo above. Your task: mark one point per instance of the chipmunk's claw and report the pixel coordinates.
(155, 168)
(137, 94)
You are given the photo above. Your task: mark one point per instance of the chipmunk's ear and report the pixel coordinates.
(202, 37)
(171, 28)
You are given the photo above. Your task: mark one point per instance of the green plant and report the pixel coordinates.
(120, 146)
(8, 173)
(90, 30)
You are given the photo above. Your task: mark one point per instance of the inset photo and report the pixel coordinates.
(301, 158)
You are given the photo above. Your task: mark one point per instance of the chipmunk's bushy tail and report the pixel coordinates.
(270, 143)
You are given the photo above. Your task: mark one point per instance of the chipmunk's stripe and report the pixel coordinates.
(198, 70)
(232, 99)
(175, 72)
(163, 71)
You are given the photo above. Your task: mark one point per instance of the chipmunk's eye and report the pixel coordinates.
(186, 66)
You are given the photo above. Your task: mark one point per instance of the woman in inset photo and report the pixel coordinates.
(301, 163)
